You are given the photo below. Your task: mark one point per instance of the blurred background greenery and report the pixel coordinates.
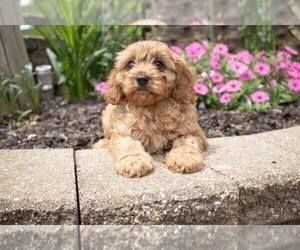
(82, 55)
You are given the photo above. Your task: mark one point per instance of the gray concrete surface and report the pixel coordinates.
(37, 187)
(161, 197)
(190, 237)
(266, 168)
(50, 237)
(149, 237)
(247, 180)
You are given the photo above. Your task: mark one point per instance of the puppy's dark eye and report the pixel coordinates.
(131, 64)
(158, 64)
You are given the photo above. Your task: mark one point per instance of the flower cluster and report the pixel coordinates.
(250, 81)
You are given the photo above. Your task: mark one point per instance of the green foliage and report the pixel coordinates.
(20, 92)
(24, 114)
(258, 37)
(257, 29)
(90, 12)
(30, 89)
(83, 55)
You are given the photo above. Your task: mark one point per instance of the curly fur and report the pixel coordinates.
(162, 116)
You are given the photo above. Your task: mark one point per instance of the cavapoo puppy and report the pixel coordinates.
(151, 108)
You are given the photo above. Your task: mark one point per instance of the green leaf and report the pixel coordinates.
(53, 59)
(24, 114)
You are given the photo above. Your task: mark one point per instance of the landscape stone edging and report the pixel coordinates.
(37, 187)
(150, 237)
(254, 192)
(268, 194)
(227, 191)
(166, 204)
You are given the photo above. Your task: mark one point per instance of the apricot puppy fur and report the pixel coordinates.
(151, 108)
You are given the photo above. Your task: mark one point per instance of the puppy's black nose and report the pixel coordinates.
(142, 80)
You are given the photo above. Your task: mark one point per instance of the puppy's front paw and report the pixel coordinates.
(181, 160)
(134, 165)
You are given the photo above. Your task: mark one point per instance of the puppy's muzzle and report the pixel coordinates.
(142, 80)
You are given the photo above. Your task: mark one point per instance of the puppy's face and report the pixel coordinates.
(147, 72)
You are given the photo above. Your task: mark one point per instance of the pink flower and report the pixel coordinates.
(219, 88)
(244, 56)
(201, 89)
(217, 77)
(215, 65)
(262, 68)
(221, 49)
(216, 58)
(285, 65)
(294, 85)
(176, 49)
(273, 84)
(214, 62)
(195, 50)
(260, 96)
(281, 54)
(101, 87)
(225, 98)
(260, 55)
(247, 75)
(296, 65)
(291, 50)
(233, 86)
(230, 57)
(238, 68)
(293, 73)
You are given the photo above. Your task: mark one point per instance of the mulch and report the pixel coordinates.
(78, 124)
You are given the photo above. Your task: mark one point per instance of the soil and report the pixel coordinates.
(78, 124)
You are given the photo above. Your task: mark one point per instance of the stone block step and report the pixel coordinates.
(251, 179)
(247, 180)
(37, 187)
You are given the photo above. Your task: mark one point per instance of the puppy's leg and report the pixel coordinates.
(186, 155)
(131, 160)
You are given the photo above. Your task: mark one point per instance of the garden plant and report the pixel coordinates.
(81, 54)
(20, 93)
(253, 82)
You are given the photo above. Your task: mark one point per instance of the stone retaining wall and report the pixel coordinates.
(247, 180)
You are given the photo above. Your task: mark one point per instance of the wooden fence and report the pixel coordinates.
(13, 54)
(10, 13)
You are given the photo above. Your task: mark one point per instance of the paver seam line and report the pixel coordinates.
(77, 189)
(77, 201)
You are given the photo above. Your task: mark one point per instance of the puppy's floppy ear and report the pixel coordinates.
(183, 90)
(114, 92)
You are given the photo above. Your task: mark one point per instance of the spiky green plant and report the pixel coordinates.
(82, 55)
